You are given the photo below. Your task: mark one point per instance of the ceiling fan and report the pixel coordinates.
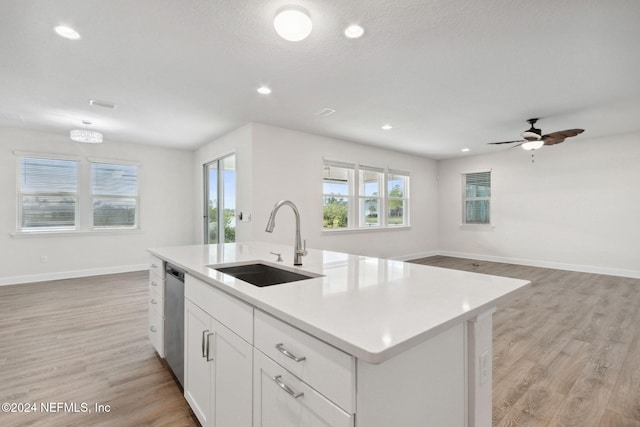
(533, 138)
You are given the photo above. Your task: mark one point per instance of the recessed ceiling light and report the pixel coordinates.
(354, 31)
(263, 90)
(387, 127)
(293, 23)
(465, 150)
(67, 32)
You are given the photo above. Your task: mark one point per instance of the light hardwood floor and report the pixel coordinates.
(566, 351)
(84, 341)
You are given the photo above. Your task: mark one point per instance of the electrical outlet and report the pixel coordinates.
(44, 259)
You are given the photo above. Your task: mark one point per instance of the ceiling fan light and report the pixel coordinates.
(532, 145)
(293, 23)
(86, 136)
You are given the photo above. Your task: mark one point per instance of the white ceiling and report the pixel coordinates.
(446, 74)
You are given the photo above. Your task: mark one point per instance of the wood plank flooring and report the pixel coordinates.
(84, 341)
(566, 350)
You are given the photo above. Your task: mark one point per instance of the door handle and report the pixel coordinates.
(204, 333)
(209, 345)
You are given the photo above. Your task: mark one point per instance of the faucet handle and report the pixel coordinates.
(278, 254)
(304, 247)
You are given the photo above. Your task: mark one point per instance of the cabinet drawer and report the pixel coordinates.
(228, 310)
(156, 330)
(281, 399)
(156, 302)
(156, 266)
(323, 367)
(156, 283)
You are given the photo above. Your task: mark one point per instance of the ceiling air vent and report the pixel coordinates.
(102, 104)
(325, 112)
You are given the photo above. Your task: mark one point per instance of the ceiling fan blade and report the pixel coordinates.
(507, 142)
(552, 141)
(563, 134)
(517, 145)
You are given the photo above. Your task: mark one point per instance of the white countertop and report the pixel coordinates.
(371, 308)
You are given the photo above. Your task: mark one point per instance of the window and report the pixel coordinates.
(398, 198)
(477, 198)
(363, 197)
(47, 194)
(59, 194)
(337, 197)
(114, 195)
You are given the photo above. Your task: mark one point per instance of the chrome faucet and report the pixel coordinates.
(299, 250)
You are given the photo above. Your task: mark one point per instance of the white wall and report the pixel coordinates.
(577, 207)
(166, 211)
(289, 165)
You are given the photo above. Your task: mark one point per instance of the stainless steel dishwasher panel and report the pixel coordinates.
(174, 321)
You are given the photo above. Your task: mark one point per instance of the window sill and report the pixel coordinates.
(328, 232)
(476, 227)
(72, 233)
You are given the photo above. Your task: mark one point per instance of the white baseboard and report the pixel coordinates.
(546, 264)
(16, 280)
(415, 256)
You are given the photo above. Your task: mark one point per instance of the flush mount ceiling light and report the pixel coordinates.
(293, 23)
(465, 150)
(67, 32)
(264, 90)
(86, 136)
(354, 31)
(387, 127)
(532, 145)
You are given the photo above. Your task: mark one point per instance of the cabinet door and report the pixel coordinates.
(282, 400)
(233, 378)
(198, 371)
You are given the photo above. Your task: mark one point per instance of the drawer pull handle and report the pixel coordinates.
(154, 284)
(291, 356)
(153, 329)
(286, 388)
(153, 301)
(154, 266)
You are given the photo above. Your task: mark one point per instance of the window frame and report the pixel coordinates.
(94, 196)
(465, 199)
(20, 156)
(84, 203)
(356, 221)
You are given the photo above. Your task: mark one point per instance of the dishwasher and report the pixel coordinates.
(174, 321)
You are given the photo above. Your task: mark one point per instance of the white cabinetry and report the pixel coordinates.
(312, 383)
(218, 361)
(282, 400)
(156, 304)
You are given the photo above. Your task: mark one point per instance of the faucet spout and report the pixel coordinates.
(300, 249)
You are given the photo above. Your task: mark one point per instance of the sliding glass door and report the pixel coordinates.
(220, 200)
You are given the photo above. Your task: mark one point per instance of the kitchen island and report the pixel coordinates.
(368, 342)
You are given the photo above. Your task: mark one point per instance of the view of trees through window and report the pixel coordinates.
(372, 197)
(220, 198)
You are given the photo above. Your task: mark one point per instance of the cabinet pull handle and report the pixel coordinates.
(286, 388)
(153, 301)
(209, 352)
(154, 266)
(153, 329)
(204, 333)
(291, 356)
(154, 284)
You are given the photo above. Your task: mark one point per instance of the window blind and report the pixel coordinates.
(114, 190)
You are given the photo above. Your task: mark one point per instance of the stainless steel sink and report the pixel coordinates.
(261, 275)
